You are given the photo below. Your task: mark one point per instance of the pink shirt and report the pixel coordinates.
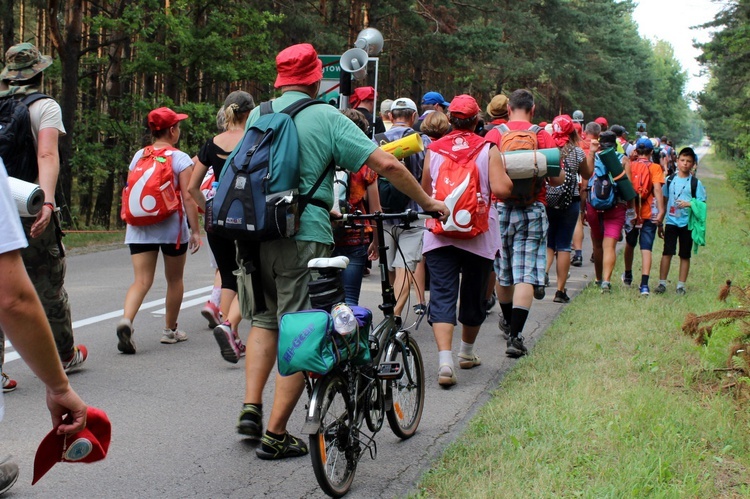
(485, 245)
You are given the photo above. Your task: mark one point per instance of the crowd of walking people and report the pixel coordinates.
(497, 238)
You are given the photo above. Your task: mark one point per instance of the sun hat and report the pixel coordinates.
(562, 128)
(88, 445)
(298, 65)
(23, 61)
(385, 106)
(498, 106)
(361, 94)
(434, 98)
(404, 103)
(463, 106)
(163, 118)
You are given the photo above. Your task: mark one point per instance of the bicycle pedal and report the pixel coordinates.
(390, 370)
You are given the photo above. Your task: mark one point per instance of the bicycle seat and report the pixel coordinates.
(336, 262)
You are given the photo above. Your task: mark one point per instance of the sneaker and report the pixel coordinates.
(80, 354)
(420, 309)
(467, 361)
(231, 347)
(212, 314)
(644, 290)
(172, 336)
(250, 423)
(660, 289)
(446, 376)
(561, 296)
(8, 384)
(627, 280)
(577, 261)
(681, 291)
(125, 336)
(504, 327)
(539, 292)
(546, 279)
(489, 304)
(592, 258)
(8, 475)
(289, 446)
(515, 347)
(606, 288)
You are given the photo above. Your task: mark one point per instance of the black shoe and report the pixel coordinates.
(289, 446)
(488, 304)
(539, 292)
(561, 296)
(251, 422)
(592, 258)
(504, 328)
(576, 261)
(515, 347)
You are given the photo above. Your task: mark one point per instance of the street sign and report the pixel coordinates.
(331, 66)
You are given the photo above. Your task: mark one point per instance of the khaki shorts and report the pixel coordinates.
(404, 246)
(284, 276)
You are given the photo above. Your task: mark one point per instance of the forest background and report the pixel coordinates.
(117, 59)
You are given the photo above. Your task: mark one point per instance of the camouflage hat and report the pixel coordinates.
(23, 62)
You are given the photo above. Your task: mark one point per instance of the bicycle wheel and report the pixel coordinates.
(332, 449)
(406, 393)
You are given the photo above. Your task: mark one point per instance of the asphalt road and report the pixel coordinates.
(174, 408)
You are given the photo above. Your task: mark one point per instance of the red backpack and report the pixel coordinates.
(458, 186)
(149, 196)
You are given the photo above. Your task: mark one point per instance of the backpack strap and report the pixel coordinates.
(29, 99)
(307, 198)
(266, 108)
(693, 186)
(503, 129)
(381, 138)
(299, 105)
(535, 128)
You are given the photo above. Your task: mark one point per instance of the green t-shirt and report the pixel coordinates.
(324, 134)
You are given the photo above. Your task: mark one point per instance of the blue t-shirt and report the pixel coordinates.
(679, 189)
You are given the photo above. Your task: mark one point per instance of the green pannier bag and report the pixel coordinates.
(305, 342)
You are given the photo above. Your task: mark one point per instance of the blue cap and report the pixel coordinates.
(434, 98)
(644, 143)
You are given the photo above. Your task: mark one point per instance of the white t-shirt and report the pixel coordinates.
(164, 232)
(45, 113)
(11, 231)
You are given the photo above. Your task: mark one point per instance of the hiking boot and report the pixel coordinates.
(172, 336)
(660, 289)
(212, 314)
(681, 291)
(627, 280)
(447, 376)
(467, 361)
(125, 343)
(644, 290)
(8, 475)
(8, 384)
(420, 309)
(504, 327)
(231, 347)
(289, 446)
(250, 422)
(606, 288)
(577, 261)
(80, 354)
(539, 292)
(561, 296)
(515, 347)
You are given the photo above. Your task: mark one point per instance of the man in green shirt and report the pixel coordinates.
(324, 135)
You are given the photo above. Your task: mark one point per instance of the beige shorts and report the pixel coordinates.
(404, 246)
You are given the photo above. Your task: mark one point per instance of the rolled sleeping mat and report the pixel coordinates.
(551, 155)
(405, 146)
(29, 198)
(614, 166)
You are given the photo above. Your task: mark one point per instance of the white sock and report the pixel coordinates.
(216, 296)
(445, 357)
(467, 348)
(663, 282)
(680, 284)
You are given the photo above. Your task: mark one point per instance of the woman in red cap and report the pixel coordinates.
(563, 202)
(171, 235)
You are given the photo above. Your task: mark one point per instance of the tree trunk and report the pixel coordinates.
(9, 19)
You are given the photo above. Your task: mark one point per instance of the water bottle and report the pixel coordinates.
(344, 321)
(212, 191)
(210, 206)
(481, 205)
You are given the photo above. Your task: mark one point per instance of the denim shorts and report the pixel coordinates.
(647, 235)
(562, 224)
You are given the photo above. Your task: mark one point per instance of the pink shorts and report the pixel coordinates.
(608, 223)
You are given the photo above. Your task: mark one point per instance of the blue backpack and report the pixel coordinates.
(602, 191)
(258, 196)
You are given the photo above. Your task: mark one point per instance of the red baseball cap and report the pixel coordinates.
(464, 106)
(298, 65)
(602, 121)
(361, 94)
(86, 446)
(163, 118)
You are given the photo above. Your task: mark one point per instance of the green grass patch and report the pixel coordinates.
(614, 400)
(90, 240)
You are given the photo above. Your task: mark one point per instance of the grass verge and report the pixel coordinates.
(614, 400)
(90, 240)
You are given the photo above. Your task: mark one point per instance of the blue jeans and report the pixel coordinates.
(352, 275)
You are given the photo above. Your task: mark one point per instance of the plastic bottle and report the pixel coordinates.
(344, 321)
(481, 205)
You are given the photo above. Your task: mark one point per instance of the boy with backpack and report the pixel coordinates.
(647, 178)
(523, 225)
(686, 200)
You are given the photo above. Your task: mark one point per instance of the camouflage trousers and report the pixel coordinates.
(45, 264)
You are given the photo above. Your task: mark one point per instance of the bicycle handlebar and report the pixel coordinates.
(408, 216)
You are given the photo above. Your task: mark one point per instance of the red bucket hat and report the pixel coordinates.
(464, 106)
(361, 94)
(562, 128)
(602, 121)
(86, 446)
(298, 65)
(163, 118)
